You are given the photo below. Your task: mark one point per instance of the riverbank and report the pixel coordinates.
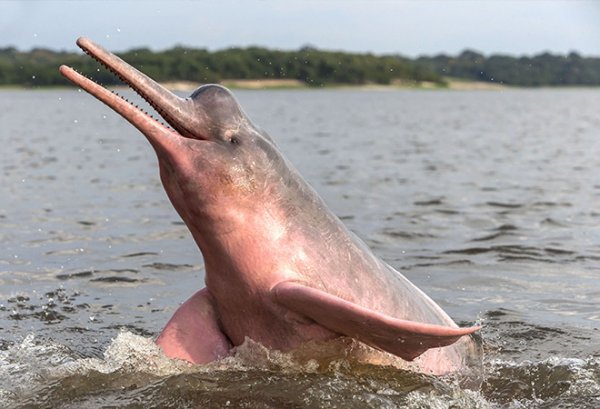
(455, 84)
(258, 84)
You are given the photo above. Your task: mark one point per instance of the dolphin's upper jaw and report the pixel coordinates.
(84, 44)
(174, 110)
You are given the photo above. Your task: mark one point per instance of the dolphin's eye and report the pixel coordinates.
(234, 140)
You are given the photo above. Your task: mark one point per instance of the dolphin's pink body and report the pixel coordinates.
(281, 268)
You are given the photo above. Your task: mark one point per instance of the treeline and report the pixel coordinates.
(540, 70)
(309, 65)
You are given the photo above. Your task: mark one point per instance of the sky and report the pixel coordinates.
(410, 28)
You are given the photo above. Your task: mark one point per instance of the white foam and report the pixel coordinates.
(463, 399)
(126, 353)
(36, 363)
(33, 363)
(22, 366)
(581, 375)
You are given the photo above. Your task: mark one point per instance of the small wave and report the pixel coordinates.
(552, 382)
(117, 279)
(431, 202)
(140, 254)
(518, 253)
(169, 266)
(491, 237)
(552, 204)
(89, 273)
(505, 205)
(408, 235)
(505, 230)
(70, 276)
(442, 263)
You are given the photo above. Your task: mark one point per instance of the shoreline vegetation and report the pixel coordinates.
(183, 69)
(271, 84)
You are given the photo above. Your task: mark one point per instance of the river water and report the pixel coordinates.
(487, 200)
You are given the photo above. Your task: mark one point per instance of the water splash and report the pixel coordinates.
(41, 373)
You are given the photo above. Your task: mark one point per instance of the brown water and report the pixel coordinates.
(488, 201)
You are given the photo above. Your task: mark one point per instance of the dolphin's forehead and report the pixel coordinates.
(210, 91)
(217, 104)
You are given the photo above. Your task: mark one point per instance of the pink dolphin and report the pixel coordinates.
(281, 268)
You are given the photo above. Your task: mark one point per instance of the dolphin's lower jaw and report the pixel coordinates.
(280, 267)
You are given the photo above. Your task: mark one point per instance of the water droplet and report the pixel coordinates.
(33, 77)
(75, 121)
(92, 318)
(118, 30)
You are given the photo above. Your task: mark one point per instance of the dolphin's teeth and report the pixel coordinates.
(133, 88)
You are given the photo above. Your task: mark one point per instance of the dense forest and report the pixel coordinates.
(309, 65)
(540, 70)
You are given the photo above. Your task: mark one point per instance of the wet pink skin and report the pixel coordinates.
(281, 268)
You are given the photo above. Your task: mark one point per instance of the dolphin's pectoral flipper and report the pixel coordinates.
(407, 339)
(193, 333)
